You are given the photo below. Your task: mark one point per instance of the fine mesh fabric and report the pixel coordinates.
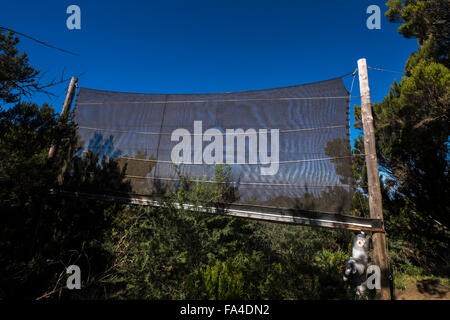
(314, 158)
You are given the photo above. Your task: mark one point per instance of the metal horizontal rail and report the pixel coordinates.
(270, 214)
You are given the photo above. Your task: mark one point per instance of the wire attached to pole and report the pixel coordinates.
(385, 70)
(39, 41)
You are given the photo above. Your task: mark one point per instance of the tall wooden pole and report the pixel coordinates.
(66, 107)
(375, 203)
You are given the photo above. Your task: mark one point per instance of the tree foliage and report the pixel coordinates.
(42, 232)
(17, 77)
(424, 20)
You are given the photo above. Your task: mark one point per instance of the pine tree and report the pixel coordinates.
(17, 77)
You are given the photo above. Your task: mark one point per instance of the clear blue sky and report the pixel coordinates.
(207, 46)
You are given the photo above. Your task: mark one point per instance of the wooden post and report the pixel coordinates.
(66, 107)
(375, 203)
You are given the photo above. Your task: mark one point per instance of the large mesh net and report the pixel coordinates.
(286, 147)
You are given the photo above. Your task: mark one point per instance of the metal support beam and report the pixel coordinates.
(270, 214)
